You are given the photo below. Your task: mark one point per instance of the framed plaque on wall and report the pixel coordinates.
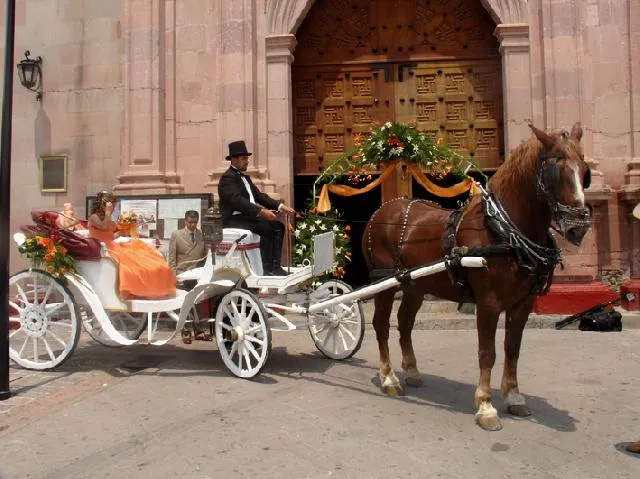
(53, 174)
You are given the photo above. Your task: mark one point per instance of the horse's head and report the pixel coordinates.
(563, 177)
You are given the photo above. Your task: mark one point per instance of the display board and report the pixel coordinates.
(159, 215)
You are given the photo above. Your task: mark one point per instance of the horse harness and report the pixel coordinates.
(539, 261)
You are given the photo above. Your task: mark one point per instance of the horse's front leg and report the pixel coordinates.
(486, 415)
(409, 307)
(514, 326)
(383, 305)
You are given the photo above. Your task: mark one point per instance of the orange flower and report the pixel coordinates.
(347, 228)
(43, 241)
(63, 250)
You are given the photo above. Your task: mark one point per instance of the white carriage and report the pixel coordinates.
(47, 314)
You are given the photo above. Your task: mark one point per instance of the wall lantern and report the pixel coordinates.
(30, 73)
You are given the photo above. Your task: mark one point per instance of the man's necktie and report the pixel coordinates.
(193, 237)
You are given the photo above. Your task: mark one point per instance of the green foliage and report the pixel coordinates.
(47, 252)
(390, 142)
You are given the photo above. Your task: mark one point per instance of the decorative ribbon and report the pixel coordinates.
(324, 204)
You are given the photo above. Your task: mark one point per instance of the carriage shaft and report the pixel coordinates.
(371, 290)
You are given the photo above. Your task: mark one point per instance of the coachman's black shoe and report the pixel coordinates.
(280, 271)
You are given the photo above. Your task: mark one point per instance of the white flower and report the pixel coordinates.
(335, 228)
(303, 226)
(299, 251)
(303, 246)
(19, 238)
(388, 124)
(312, 228)
(318, 222)
(400, 149)
(297, 233)
(323, 227)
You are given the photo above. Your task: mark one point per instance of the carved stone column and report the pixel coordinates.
(148, 160)
(280, 150)
(516, 82)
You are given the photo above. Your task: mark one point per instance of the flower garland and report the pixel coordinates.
(311, 225)
(47, 252)
(391, 142)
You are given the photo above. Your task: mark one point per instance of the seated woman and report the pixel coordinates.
(143, 272)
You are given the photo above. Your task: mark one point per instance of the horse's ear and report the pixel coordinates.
(576, 131)
(547, 140)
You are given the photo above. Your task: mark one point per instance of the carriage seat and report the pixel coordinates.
(250, 245)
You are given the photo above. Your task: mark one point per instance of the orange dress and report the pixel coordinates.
(144, 274)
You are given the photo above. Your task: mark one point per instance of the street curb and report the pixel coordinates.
(443, 315)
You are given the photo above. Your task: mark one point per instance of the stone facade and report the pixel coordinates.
(144, 95)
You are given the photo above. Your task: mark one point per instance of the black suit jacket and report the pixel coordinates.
(234, 196)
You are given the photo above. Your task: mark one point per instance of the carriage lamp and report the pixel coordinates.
(212, 226)
(30, 73)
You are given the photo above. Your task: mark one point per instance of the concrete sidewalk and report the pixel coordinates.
(444, 315)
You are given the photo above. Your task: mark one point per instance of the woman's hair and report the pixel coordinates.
(98, 205)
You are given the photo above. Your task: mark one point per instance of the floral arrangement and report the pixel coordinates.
(128, 217)
(394, 141)
(47, 252)
(309, 226)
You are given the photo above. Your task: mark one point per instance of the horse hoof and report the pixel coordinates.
(393, 391)
(413, 382)
(519, 410)
(489, 423)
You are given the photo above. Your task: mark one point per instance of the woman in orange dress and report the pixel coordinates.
(144, 273)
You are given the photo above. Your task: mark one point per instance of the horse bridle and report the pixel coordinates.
(548, 177)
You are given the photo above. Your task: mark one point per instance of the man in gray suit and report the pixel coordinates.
(186, 248)
(187, 251)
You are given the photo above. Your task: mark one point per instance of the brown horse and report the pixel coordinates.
(542, 181)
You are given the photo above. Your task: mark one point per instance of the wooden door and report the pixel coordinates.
(331, 105)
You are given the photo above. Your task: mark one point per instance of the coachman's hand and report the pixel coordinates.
(268, 215)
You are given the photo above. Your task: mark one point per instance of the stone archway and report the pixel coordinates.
(285, 16)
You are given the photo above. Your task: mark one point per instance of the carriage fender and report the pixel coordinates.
(80, 287)
(201, 293)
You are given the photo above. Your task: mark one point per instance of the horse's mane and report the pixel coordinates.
(521, 168)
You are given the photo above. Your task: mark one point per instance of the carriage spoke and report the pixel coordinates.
(253, 351)
(46, 295)
(62, 323)
(247, 359)
(254, 340)
(48, 348)
(226, 326)
(22, 294)
(55, 336)
(344, 341)
(49, 311)
(343, 329)
(15, 306)
(35, 349)
(24, 345)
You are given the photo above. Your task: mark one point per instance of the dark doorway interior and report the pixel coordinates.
(355, 211)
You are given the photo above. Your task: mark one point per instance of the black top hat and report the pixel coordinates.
(237, 148)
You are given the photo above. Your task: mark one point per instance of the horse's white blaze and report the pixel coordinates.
(514, 399)
(577, 185)
(486, 409)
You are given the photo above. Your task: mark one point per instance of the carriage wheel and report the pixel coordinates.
(243, 333)
(130, 325)
(44, 325)
(337, 331)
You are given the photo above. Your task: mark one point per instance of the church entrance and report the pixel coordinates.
(362, 62)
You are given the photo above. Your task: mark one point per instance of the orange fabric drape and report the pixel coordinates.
(324, 204)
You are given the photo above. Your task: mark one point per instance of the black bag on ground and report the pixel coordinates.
(603, 320)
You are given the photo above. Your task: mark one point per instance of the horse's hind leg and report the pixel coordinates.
(486, 415)
(515, 322)
(409, 306)
(383, 305)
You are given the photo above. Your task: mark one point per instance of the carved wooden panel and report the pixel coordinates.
(393, 30)
(459, 102)
(331, 105)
